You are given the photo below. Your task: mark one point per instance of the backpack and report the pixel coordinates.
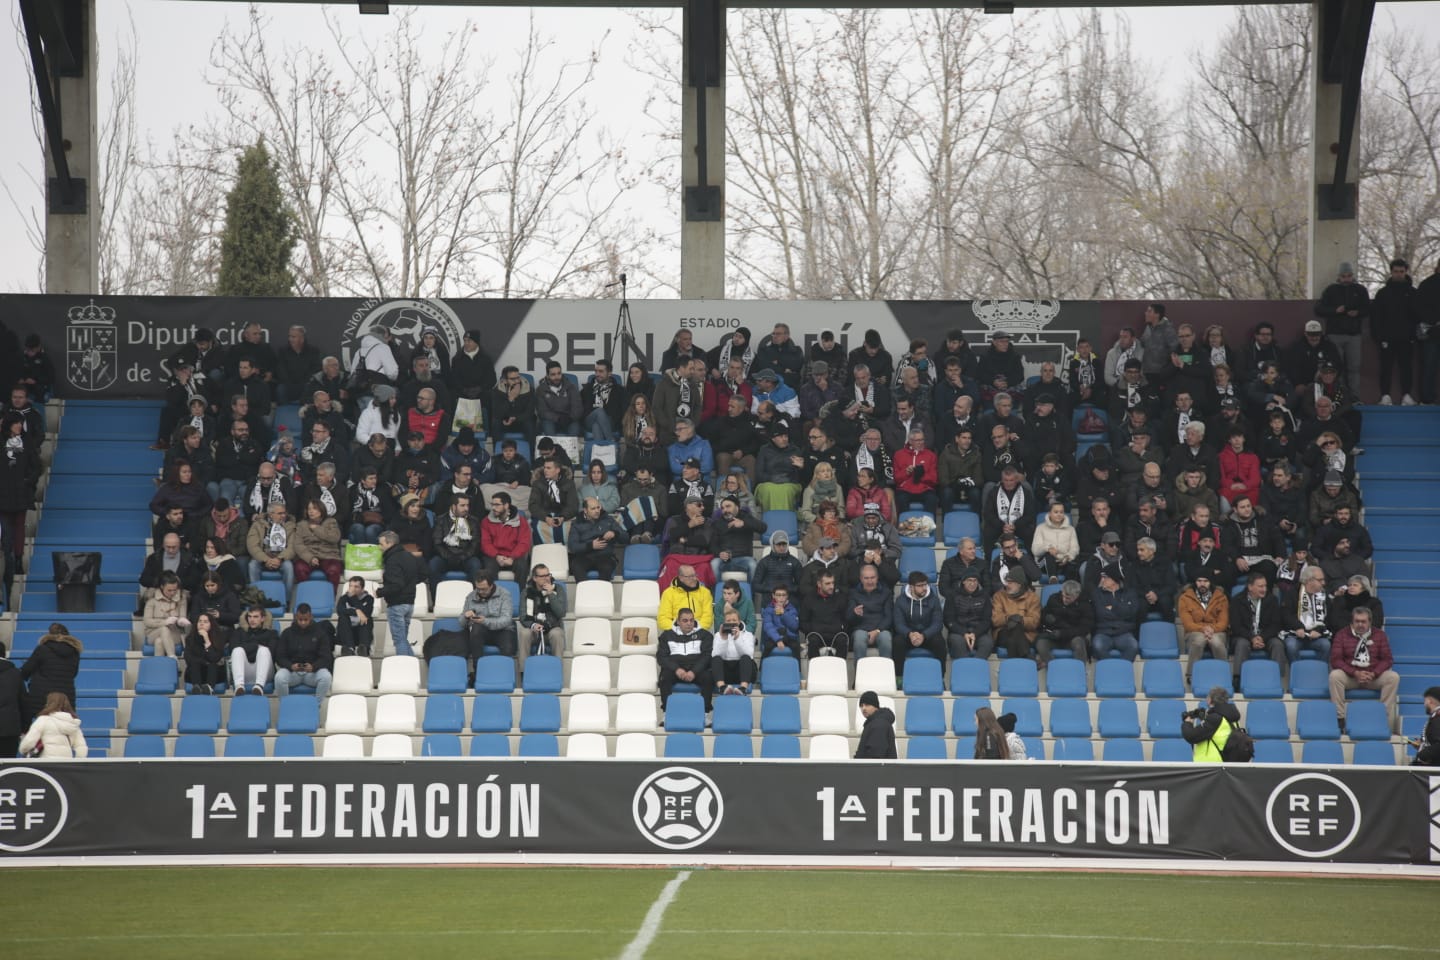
(1240, 748)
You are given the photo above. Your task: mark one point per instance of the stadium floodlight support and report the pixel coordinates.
(377, 8)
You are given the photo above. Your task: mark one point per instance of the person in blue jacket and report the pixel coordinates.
(917, 621)
(781, 620)
(1116, 609)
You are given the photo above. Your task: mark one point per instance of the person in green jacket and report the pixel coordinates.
(731, 598)
(1207, 729)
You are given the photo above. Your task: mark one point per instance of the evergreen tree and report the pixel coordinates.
(259, 232)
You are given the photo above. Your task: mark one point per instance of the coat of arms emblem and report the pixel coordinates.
(92, 354)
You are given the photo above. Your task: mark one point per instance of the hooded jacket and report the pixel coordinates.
(12, 700)
(919, 615)
(1026, 606)
(520, 409)
(52, 667)
(1062, 538)
(59, 735)
(968, 612)
(877, 737)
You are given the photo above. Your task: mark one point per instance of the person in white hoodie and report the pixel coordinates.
(1055, 545)
(56, 731)
(733, 655)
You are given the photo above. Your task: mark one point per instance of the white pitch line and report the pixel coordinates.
(635, 950)
(1030, 935)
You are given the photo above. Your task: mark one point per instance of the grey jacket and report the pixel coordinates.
(495, 613)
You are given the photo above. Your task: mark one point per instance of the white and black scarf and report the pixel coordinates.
(460, 532)
(14, 449)
(366, 501)
(866, 396)
(1361, 658)
(1312, 609)
(275, 538)
(260, 498)
(327, 500)
(602, 392)
(685, 406)
(1010, 506)
(725, 350)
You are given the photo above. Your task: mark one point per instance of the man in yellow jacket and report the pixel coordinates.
(686, 590)
(1208, 730)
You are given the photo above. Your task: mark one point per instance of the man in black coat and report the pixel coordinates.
(1392, 327)
(11, 705)
(399, 576)
(877, 739)
(295, 364)
(684, 657)
(172, 558)
(1065, 622)
(1343, 307)
(1010, 507)
(304, 655)
(1256, 623)
(822, 613)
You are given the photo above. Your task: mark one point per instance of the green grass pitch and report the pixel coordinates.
(356, 913)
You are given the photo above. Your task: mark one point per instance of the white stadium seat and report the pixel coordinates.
(594, 598)
(400, 675)
(636, 713)
(829, 714)
(591, 635)
(352, 675)
(395, 713)
(829, 747)
(639, 598)
(590, 673)
(450, 597)
(586, 746)
(393, 746)
(875, 673)
(635, 746)
(346, 713)
(828, 675)
(552, 555)
(589, 713)
(343, 746)
(637, 675)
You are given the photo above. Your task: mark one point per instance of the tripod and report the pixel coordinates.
(624, 331)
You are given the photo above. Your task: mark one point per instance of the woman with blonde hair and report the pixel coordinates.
(55, 732)
(990, 743)
(823, 488)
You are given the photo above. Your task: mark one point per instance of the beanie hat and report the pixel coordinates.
(868, 698)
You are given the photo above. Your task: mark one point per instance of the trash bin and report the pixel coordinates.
(76, 575)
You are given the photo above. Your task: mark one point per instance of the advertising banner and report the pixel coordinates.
(702, 809)
(119, 346)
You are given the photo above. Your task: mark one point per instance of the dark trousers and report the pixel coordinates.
(960, 495)
(521, 568)
(478, 637)
(200, 670)
(1400, 355)
(355, 639)
(582, 563)
(703, 680)
(1046, 643)
(1014, 639)
(9, 747)
(734, 671)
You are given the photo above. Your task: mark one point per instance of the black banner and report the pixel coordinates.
(694, 811)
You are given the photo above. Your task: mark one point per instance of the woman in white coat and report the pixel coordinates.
(56, 731)
(1055, 545)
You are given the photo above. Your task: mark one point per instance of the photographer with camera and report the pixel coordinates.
(1209, 728)
(733, 662)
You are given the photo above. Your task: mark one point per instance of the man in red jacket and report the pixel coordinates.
(505, 539)
(917, 473)
(1360, 660)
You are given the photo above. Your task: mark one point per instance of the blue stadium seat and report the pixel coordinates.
(923, 677)
(494, 674)
(1074, 750)
(1162, 679)
(1018, 678)
(1325, 752)
(641, 562)
(543, 674)
(918, 558)
(1310, 680)
(199, 714)
(685, 713)
(513, 588)
(685, 746)
(1315, 720)
(1162, 719)
(157, 675)
(924, 717)
(780, 714)
(1273, 751)
(1070, 719)
(319, 594)
(537, 745)
(540, 713)
(447, 675)
(1027, 716)
(1122, 751)
(732, 746)
(249, 714)
(925, 541)
(1116, 678)
(1367, 720)
(196, 746)
(1063, 678)
(1210, 673)
(1260, 680)
(498, 745)
(1266, 720)
(1171, 751)
(780, 746)
(962, 714)
(144, 748)
(779, 675)
(1157, 641)
(444, 713)
(294, 745)
(961, 524)
(732, 715)
(781, 520)
(149, 715)
(970, 677)
(1034, 749)
(1046, 592)
(298, 715)
(1371, 753)
(248, 746)
(927, 748)
(440, 745)
(274, 591)
(1118, 719)
(492, 713)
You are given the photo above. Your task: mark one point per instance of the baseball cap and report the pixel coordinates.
(1314, 326)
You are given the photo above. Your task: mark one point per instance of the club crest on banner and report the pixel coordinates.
(92, 353)
(407, 321)
(678, 808)
(1028, 324)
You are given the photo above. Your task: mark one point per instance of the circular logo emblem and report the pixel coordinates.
(678, 808)
(406, 320)
(1313, 815)
(33, 808)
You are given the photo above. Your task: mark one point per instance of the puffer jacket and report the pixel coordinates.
(59, 735)
(321, 542)
(1026, 606)
(1062, 538)
(968, 612)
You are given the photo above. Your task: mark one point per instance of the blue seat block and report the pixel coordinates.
(927, 748)
(970, 677)
(924, 716)
(780, 714)
(1027, 716)
(1019, 678)
(732, 715)
(249, 715)
(1162, 719)
(1063, 678)
(542, 674)
(778, 746)
(540, 713)
(923, 677)
(294, 745)
(685, 746)
(1116, 678)
(149, 715)
(144, 747)
(444, 713)
(440, 745)
(498, 745)
(685, 713)
(447, 675)
(1123, 751)
(1162, 679)
(1070, 719)
(200, 715)
(780, 675)
(493, 713)
(1172, 751)
(157, 675)
(196, 746)
(962, 714)
(300, 715)
(1211, 673)
(248, 746)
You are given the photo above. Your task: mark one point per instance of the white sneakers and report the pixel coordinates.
(1385, 401)
(1407, 401)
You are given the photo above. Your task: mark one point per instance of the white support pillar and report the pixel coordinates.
(72, 234)
(1334, 234)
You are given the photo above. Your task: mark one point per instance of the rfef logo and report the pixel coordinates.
(678, 808)
(1313, 815)
(33, 808)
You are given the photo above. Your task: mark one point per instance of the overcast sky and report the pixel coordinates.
(175, 38)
